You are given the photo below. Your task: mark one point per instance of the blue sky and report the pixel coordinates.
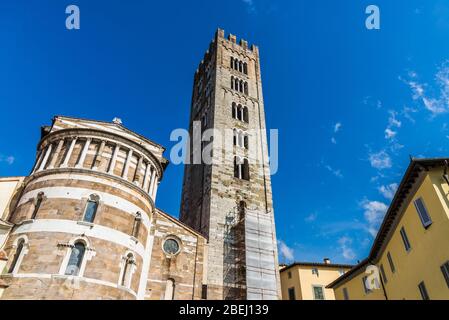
(350, 104)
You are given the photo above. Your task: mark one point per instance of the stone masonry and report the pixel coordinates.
(214, 201)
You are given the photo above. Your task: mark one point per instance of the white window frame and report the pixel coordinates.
(91, 198)
(89, 253)
(23, 253)
(132, 270)
(322, 290)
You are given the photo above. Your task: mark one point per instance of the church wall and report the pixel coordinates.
(185, 268)
(50, 217)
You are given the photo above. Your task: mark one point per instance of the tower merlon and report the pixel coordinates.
(220, 34)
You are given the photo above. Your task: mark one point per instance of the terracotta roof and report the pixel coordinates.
(412, 174)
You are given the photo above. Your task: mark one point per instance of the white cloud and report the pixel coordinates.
(407, 113)
(345, 246)
(332, 228)
(335, 172)
(286, 251)
(369, 102)
(311, 217)
(337, 127)
(393, 121)
(380, 160)
(388, 191)
(374, 213)
(8, 159)
(250, 4)
(438, 104)
(390, 134)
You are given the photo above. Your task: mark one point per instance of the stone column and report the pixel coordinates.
(56, 155)
(154, 182)
(47, 154)
(127, 163)
(145, 176)
(99, 155)
(83, 153)
(114, 159)
(138, 168)
(156, 185)
(39, 157)
(69, 153)
(153, 175)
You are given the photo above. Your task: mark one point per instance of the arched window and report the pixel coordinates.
(238, 167)
(245, 170)
(236, 85)
(91, 208)
(232, 82)
(246, 141)
(240, 141)
(127, 270)
(241, 168)
(241, 66)
(76, 259)
(246, 87)
(234, 110)
(235, 137)
(245, 115)
(245, 68)
(236, 64)
(241, 86)
(169, 289)
(239, 112)
(18, 255)
(232, 62)
(136, 224)
(37, 204)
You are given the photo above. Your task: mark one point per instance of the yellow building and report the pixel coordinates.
(308, 281)
(411, 250)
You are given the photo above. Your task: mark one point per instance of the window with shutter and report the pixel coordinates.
(423, 291)
(345, 293)
(405, 239)
(423, 213)
(390, 262)
(445, 271)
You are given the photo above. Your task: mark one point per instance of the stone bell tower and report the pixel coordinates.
(230, 199)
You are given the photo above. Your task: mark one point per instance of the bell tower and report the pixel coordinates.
(229, 200)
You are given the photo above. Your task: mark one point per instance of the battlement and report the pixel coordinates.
(220, 34)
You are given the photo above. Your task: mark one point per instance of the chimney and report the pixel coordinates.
(327, 261)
